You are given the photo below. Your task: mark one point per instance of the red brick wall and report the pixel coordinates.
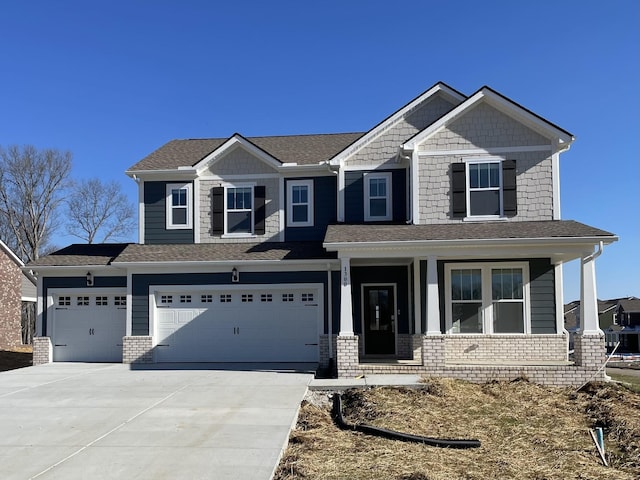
(10, 302)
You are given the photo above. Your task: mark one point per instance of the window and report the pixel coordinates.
(225, 298)
(287, 297)
(239, 210)
(166, 299)
(82, 301)
(206, 298)
(377, 196)
(120, 301)
(64, 301)
(307, 297)
(488, 298)
(266, 297)
(484, 196)
(300, 203)
(178, 202)
(185, 298)
(247, 297)
(102, 301)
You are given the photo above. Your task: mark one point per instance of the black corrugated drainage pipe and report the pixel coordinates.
(393, 435)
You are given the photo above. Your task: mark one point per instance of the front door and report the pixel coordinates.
(379, 320)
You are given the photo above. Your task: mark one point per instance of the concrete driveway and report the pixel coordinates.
(94, 421)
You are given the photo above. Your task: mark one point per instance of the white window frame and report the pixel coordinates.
(226, 210)
(487, 300)
(367, 198)
(300, 183)
(468, 189)
(169, 206)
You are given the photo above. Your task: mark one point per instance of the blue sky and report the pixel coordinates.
(113, 80)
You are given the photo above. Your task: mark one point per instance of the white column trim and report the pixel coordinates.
(39, 307)
(555, 178)
(558, 271)
(588, 297)
(417, 300)
(433, 297)
(129, 319)
(415, 188)
(282, 208)
(141, 212)
(341, 195)
(196, 211)
(346, 310)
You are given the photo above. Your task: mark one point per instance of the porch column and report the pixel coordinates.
(433, 297)
(346, 311)
(589, 324)
(417, 297)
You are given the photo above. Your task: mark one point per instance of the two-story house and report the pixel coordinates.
(431, 243)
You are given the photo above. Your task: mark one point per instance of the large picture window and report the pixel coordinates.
(377, 196)
(487, 298)
(239, 210)
(179, 206)
(300, 203)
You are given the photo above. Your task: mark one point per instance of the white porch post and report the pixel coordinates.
(417, 300)
(588, 297)
(433, 297)
(346, 312)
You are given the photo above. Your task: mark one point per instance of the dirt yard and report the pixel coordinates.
(15, 358)
(527, 432)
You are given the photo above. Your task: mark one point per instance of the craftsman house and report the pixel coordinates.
(431, 243)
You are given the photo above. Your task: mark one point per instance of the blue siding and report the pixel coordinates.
(541, 288)
(354, 196)
(385, 275)
(75, 282)
(141, 283)
(325, 209)
(155, 230)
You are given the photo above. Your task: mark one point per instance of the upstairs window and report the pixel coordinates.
(300, 203)
(377, 197)
(179, 206)
(484, 195)
(239, 210)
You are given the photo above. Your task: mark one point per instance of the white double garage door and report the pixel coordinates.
(258, 323)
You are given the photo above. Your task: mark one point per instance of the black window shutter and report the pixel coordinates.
(458, 190)
(259, 217)
(509, 197)
(217, 210)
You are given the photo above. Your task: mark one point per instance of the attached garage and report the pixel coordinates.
(257, 323)
(88, 326)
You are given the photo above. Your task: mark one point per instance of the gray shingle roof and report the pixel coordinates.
(81, 254)
(208, 252)
(300, 149)
(462, 231)
(632, 305)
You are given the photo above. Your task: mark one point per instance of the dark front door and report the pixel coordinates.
(379, 320)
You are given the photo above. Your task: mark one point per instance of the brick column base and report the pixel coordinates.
(137, 349)
(416, 347)
(590, 350)
(348, 357)
(42, 350)
(433, 353)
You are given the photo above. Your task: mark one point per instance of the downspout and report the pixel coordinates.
(595, 254)
(402, 156)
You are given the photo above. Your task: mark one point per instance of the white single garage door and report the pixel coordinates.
(259, 324)
(88, 327)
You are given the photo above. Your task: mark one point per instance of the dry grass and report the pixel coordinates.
(527, 432)
(16, 358)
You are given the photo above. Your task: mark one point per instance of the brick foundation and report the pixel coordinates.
(42, 350)
(347, 357)
(137, 349)
(504, 348)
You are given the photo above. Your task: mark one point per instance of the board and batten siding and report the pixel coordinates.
(542, 292)
(324, 210)
(75, 282)
(155, 223)
(354, 195)
(142, 282)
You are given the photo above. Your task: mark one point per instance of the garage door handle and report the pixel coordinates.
(60, 345)
(311, 344)
(163, 345)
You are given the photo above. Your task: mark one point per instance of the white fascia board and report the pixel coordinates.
(226, 266)
(167, 174)
(11, 255)
(505, 106)
(236, 141)
(75, 270)
(394, 118)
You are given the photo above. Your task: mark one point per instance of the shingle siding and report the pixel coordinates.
(155, 214)
(239, 162)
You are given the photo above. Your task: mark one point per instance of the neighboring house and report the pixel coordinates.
(606, 312)
(431, 243)
(16, 287)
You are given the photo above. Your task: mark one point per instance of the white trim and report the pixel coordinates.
(468, 190)
(432, 297)
(558, 274)
(346, 310)
(555, 178)
(129, 319)
(241, 178)
(387, 176)
(394, 118)
(40, 307)
(281, 210)
(196, 211)
(309, 204)
(374, 166)
(414, 189)
(484, 151)
(169, 206)
(225, 265)
(486, 299)
(251, 233)
(394, 314)
(141, 206)
(341, 191)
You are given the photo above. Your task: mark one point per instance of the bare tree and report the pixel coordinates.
(99, 209)
(31, 189)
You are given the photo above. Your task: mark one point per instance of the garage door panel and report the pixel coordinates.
(270, 325)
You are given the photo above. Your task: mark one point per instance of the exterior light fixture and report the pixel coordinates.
(235, 276)
(89, 279)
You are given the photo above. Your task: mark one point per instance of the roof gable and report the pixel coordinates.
(502, 104)
(236, 141)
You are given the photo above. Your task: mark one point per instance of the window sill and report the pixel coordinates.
(485, 219)
(239, 235)
(178, 227)
(299, 225)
